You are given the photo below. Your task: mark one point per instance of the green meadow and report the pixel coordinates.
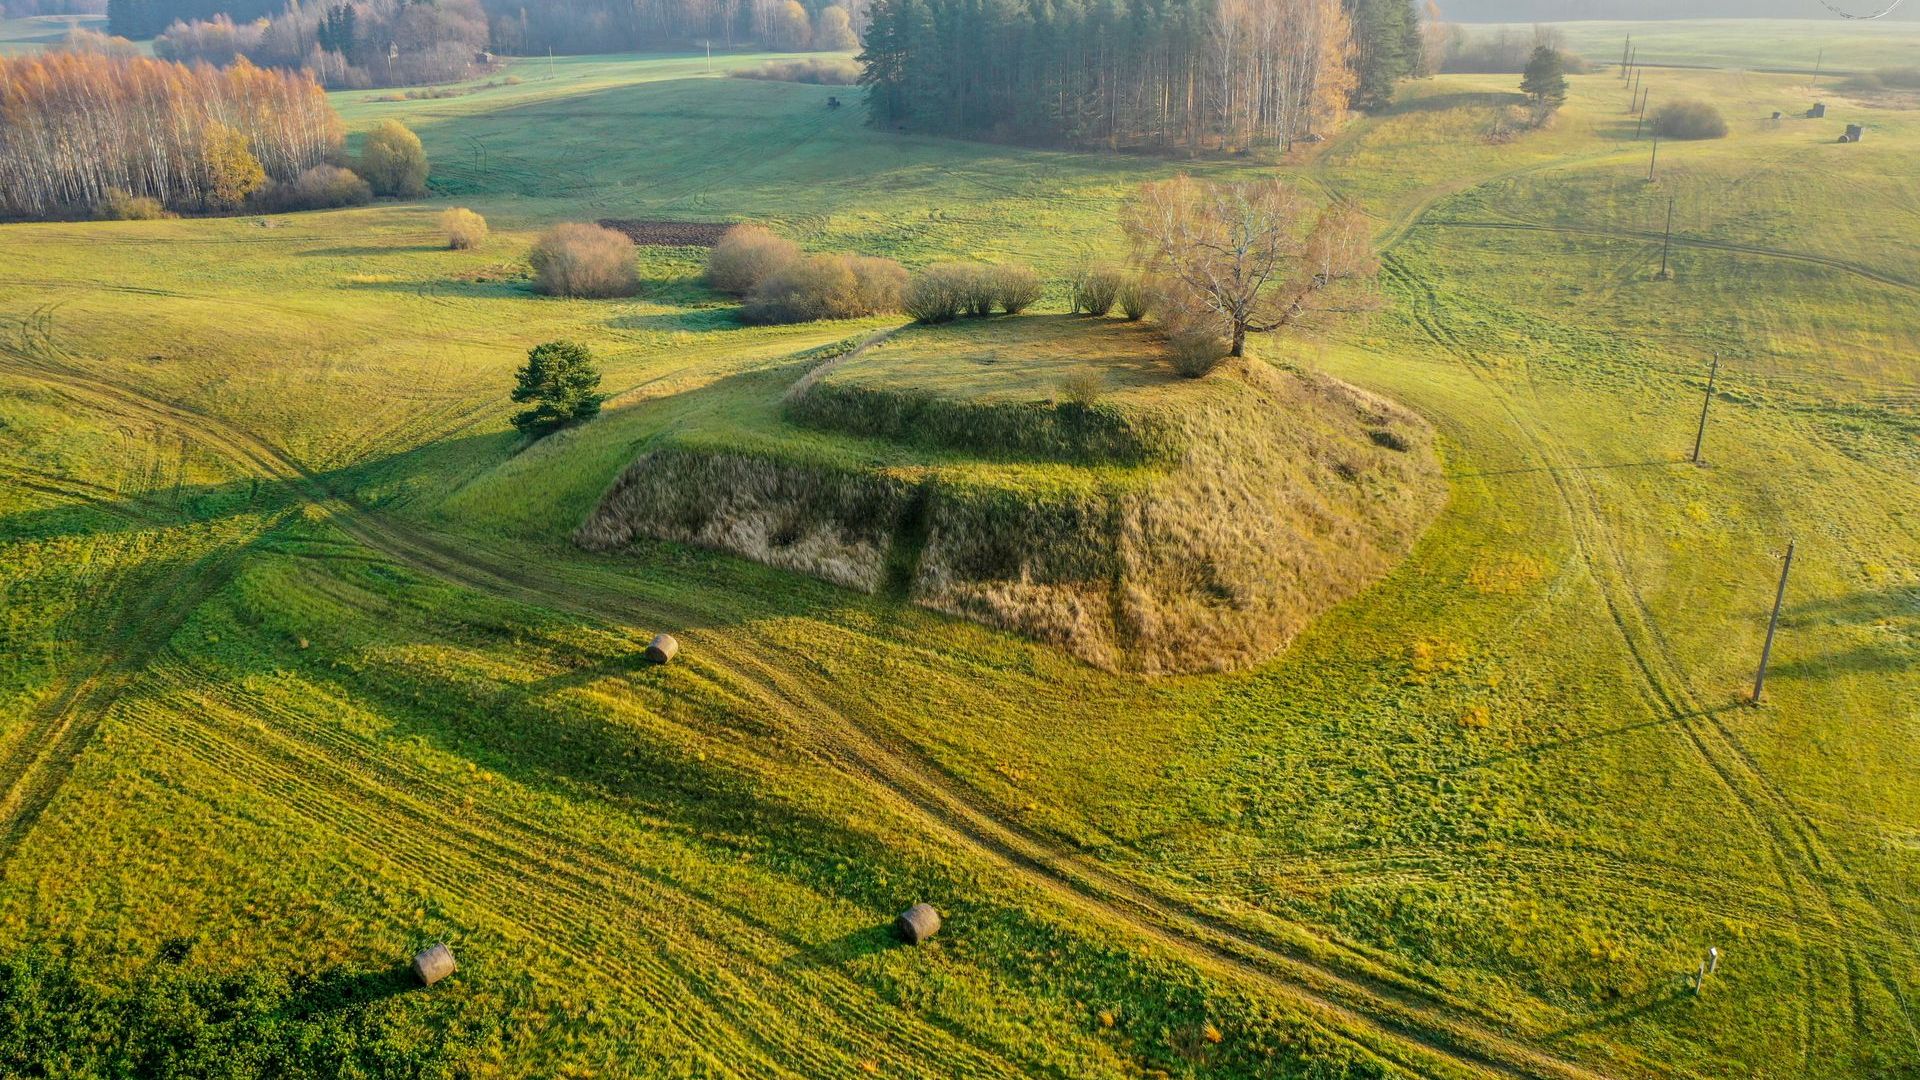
(300, 671)
(1808, 46)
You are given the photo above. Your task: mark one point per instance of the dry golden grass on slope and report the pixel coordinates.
(1285, 493)
(1296, 491)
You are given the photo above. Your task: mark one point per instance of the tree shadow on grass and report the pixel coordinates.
(339, 990)
(1894, 612)
(1576, 741)
(1456, 100)
(360, 250)
(1654, 1002)
(866, 941)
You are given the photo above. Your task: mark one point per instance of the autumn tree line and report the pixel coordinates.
(102, 133)
(360, 43)
(346, 45)
(1168, 75)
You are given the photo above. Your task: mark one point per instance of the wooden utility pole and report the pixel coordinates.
(1666, 245)
(1817, 64)
(1655, 159)
(1700, 437)
(1773, 624)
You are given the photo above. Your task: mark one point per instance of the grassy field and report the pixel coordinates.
(41, 31)
(301, 667)
(1813, 44)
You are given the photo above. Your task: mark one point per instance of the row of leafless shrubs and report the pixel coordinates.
(782, 284)
(946, 291)
(1510, 122)
(1196, 338)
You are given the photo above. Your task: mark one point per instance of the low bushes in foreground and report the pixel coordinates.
(465, 229)
(583, 260)
(827, 287)
(828, 72)
(1689, 120)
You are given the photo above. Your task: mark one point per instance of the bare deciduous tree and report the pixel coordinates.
(1256, 255)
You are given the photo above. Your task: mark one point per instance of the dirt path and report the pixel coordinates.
(1818, 887)
(1399, 1021)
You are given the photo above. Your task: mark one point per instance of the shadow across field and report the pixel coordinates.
(1893, 613)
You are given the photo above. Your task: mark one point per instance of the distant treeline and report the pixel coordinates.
(1161, 74)
(1531, 11)
(141, 19)
(20, 9)
(515, 27)
(532, 27)
(362, 44)
(79, 129)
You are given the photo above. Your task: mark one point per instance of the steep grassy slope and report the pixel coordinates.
(298, 661)
(1178, 526)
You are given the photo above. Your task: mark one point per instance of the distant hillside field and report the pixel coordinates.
(301, 670)
(1798, 45)
(1567, 10)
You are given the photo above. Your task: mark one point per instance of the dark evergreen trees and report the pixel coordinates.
(1387, 48)
(1545, 80)
(563, 383)
(1167, 75)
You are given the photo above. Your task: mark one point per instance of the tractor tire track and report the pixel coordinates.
(1399, 1021)
(1809, 872)
(1858, 269)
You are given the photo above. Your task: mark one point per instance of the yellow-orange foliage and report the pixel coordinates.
(75, 126)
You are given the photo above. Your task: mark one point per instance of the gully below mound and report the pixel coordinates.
(1289, 492)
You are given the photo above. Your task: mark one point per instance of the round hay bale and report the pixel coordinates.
(662, 649)
(433, 964)
(917, 924)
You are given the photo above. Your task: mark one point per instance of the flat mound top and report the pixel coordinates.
(1018, 359)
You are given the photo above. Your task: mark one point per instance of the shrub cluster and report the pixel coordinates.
(830, 72)
(944, 291)
(782, 284)
(323, 187)
(1196, 335)
(826, 287)
(584, 260)
(1136, 298)
(393, 160)
(464, 228)
(747, 255)
(1689, 120)
(1096, 289)
(120, 206)
(1083, 386)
